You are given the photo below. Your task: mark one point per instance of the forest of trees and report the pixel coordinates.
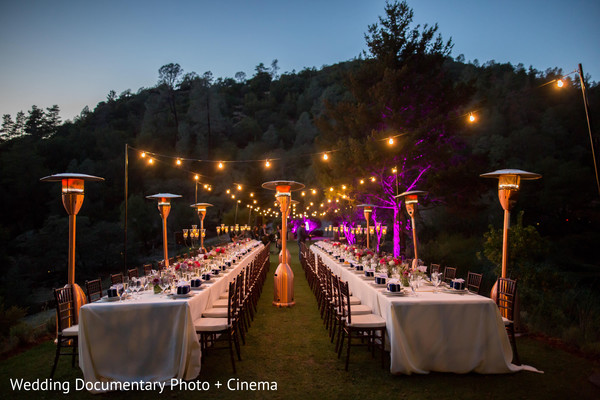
(407, 85)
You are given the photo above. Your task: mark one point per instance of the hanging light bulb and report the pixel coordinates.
(391, 140)
(220, 165)
(560, 83)
(267, 164)
(151, 161)
(471, 117)
(325, 156)
(314, 191)
(373, 179)
(239, 187)
(196, 177)
(362, 181)
(143, 155)
(178, 162)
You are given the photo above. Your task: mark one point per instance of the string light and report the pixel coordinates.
(391, 140)
(220, 165)
(373, 179)
(471, 117)
(303, 193)
(314, 191)
(178, 162)
(394, 170)
(362, 181)
(196, 177)
(252, 194)
(143, 155)
(343, 187)
(150, 161)
(560, 83)
(228, 191)
(239, 187)
(267, 164)
(325, 156)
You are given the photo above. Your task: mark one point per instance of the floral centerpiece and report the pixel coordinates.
(395, 268)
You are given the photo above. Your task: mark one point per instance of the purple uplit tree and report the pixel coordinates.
(404, 92)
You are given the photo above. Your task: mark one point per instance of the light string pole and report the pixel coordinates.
(586, 105)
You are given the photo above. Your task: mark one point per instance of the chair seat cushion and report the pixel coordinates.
(215, 313)
(360, 309)
(354, 300)
(210, 324)
(71, 331)
(221, 303)
(367, 321)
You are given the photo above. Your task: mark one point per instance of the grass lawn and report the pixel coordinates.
(290, 346)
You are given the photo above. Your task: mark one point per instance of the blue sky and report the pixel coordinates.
(72, 53)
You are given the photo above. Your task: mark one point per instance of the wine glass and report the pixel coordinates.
(435, 279)
(125, 289)
(413, 280)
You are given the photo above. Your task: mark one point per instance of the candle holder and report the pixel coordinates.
(72, 197)
(164, 207)
(284, 277)
(411, 201)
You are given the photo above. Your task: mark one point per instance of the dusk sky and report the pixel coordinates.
(72, 53)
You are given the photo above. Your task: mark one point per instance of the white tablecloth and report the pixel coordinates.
(444, 332)
(151, 338)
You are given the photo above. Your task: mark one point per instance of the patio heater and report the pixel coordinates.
(509, 182)
(284, 277)
(164, 207)
(201, 209)
(411, 201)
(368, 210)
(287, 252)
(72, 197)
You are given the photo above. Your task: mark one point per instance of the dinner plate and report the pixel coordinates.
(197, 288)
(359, 272)
(182, 296)
(455, 291)
(388, 293)
(378, 285)
(106, 298)
(368, 278)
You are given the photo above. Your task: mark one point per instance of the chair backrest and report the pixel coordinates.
(449, 273)
(94, 290)
(474, 282)
(147, 269)
(507, 291)
(434, 268)
(116, 278)
(65, 307)
(344, 299)
(232, 301)
(133, 273)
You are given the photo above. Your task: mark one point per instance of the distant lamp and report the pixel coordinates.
(509, 182)
(164, 207)
(560, 83)
(201, 210)
(411, 201)
(72, 197)
(367, 210)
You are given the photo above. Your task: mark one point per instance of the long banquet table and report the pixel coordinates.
(150, 339)
(444, 332)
